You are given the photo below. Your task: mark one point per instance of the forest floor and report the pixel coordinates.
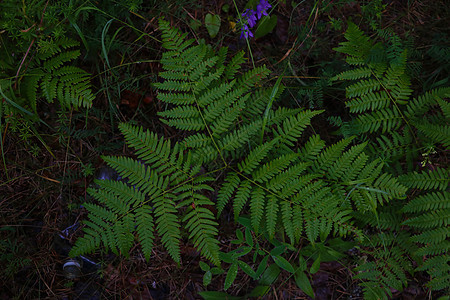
(44, 183)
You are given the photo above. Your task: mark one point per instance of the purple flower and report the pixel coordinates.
(261, 8)
(245, 32)
(251, 17)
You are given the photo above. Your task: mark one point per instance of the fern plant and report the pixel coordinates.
(49, 76)
(151, 196)
(399, 127)
(293, 187)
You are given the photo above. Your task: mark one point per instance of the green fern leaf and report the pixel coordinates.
(293, 127)
(257, 204)
(272, 208)
(242, 196)
(436, 179)
(145, 229)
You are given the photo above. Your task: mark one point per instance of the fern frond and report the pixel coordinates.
(57, 61)
(370, 101)
(354, 74)
(362, 87)
(242, 195)
(236, 139)
(172, 38)
(433, 236)
(427, 202)
(342, 166)
(30, 85)
(427, 180)
(431, 219)
(358, 44)
(234, 65)
(231, 183)
(387, 267)
(327, 157)
(273, 167)
(202, 227)
(145, 229)
(437, 133)
(168, 226)
(293, 127)
(387, 119)
(272, 209)
(255, 156)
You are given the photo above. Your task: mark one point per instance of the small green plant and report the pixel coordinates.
(12, 256)
(37, 62)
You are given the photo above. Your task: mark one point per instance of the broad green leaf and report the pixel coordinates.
(277, 250)
(266, 25)
(207, 278)
(283, 263)
(259, 291)
(315, 266)
(262, 266)
(239, 235)
(226, 257)
(303, 283)
(218, 296)
(302, 263)
(248, 237)
(212, 23)
(270, 275)
(204, 266)
(217, 271)
(247, 269)
(231, 276)
(241, 251)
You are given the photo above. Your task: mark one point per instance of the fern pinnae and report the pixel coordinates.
(234, 65)
(242, 195)
(286, 177)
(202, 227)
(29, 88)
(428, 201)
(232, 181)
(293, 127)
(272, 209)
(168, 225)
(255, 156)
(437, 133)
(370, 101)
(230, 116)
(218, 92)
(257, 204)
(342, 165)
(207, 80)
(286, 218)
(272, 168)
(145, 228)
(326, 158)
(436, 179)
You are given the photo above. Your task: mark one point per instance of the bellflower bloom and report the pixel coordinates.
(250, 17)
(245, 32)
(262, 7)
